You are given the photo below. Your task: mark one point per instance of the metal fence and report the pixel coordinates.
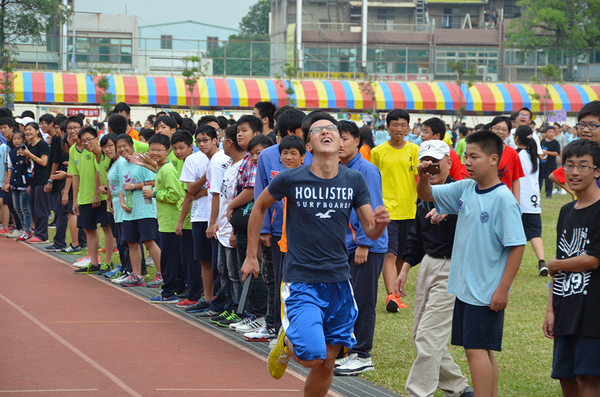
(426, 62)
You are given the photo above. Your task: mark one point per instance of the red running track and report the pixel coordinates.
(63, 334)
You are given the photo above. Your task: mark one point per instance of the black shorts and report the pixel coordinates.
(398, 236)
(477, 327)
(139, 230)
(90, 217)
(575, 355)
(202, 244)
(532, 223)
(2, 194)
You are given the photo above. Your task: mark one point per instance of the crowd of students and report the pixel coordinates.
(316, 212)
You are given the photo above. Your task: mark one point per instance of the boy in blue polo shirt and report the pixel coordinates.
(486, 257)
(365, 257)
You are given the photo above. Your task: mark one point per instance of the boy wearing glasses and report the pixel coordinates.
(572, 312)
(318, 304)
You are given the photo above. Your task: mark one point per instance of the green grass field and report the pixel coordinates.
(526, 359)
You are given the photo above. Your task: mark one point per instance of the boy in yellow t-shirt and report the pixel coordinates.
(397, 161)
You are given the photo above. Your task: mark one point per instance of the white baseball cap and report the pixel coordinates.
(25, 120)
(434, 148)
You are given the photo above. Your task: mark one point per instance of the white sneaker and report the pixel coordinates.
(354, 366)
(251, 326)
(119, 280)
(344, 360)
(83, 262)
(261, 335)
(246, 320)
(150, 262)
(15, 233)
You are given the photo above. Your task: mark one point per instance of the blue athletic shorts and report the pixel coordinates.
(317, 315)
(477, 327)
(575, 355)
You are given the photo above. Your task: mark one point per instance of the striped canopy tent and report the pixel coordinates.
(236, 93)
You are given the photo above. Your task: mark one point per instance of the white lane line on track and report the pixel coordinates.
(75, 350)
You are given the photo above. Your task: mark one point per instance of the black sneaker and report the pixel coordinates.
(105, 267)
(71, 250)
(89, 269)
(183, 295)
(231, 319)
(201, 306)
(207, 314)
(53, 248)
(543, 268)
(222, 316)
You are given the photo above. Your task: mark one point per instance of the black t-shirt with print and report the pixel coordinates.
(576, 295)
(318, 214)
(552, 146)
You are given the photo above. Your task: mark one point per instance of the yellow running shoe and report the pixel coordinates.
(279, 356)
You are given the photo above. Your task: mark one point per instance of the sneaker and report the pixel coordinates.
(265, 334)
(279, 357)
(25, 236)
(247, 319)
(133, 281)
(122, 277)
(393, 303)
(183, 295)
(156, 282)
(543, 268)
(150, 262)
(113, 272)
(219, 317)
(104, 268)
(53, 248)
(83, 262)
(354, 366)
(71, 250)
(197, 307)
(89, 269)
(161, 299)
(344, 360)
(37, 240)
(103, 250)
(15, 233)
(226, 322)
(207, 314)
(469, 392)
(4, 231)
(186, 303)
(252, 326)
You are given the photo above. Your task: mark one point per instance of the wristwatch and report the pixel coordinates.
(132, 187)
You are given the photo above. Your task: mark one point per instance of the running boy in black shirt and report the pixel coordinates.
(572, 314)
(316, 292)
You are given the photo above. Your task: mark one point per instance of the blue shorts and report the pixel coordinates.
(532, 224)
(575, 355)
(202, 244)
(317, 315)
(398, 236)
(91, 217)
(477, 327)
(139, 230)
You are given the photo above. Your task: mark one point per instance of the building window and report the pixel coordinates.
(212, 43)
(166, 42)
(101, 50)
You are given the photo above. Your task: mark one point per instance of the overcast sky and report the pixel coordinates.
(226, 13)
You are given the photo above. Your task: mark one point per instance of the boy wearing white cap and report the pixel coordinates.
(430, 244)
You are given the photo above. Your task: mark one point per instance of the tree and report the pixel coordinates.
(25, 21)
(462, 72)
(99, 76)
(193, 69)
(288, 73)
(368, 89)
(251, 44)
(572, 26)
(256, 22)
(547, 75)
(7, 91)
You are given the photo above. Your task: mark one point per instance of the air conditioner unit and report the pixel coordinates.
(423, 70)
(481, 70)
(491, 77)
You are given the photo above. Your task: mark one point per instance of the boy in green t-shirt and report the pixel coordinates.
(88, 203)
(168, 193)
(462, 143)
